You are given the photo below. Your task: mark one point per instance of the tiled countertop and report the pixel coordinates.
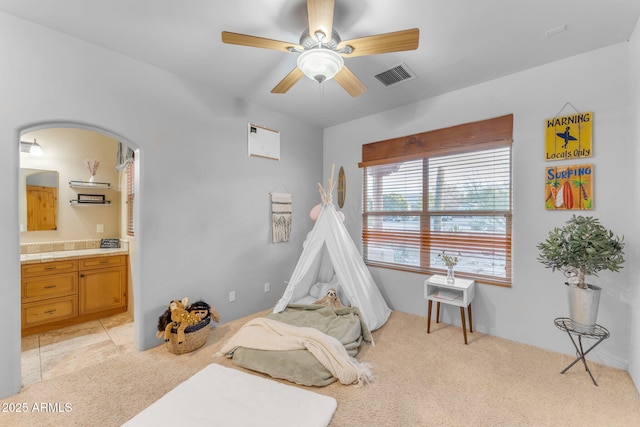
(62, 255)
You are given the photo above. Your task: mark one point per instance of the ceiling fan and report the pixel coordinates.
(321, 51)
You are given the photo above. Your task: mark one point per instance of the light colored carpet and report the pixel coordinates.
(421, 380)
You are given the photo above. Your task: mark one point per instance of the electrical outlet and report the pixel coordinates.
(267, 287)
(100, 228)
(232, 296)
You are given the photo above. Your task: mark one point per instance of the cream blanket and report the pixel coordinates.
(268, 334)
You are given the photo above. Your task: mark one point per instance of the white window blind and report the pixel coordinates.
(130, 171)
(457, 201)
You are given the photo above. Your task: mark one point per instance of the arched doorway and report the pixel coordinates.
(70, 150)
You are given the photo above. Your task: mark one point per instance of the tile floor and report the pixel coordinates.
(59, 352)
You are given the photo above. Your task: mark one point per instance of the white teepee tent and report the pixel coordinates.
(330, 257)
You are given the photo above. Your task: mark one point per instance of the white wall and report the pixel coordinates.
(596, 81)
(203, 204)
(633, 247)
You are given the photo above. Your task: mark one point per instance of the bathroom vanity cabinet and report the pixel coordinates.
(103, 284)
(49, 293)
(56, 294)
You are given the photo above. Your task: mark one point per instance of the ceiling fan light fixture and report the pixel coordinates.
(320, 64)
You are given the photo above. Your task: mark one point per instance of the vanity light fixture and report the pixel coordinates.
(32, 148)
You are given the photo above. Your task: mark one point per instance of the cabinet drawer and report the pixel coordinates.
(37, 313)
(102, 262)
(58, 285)
(54, 267)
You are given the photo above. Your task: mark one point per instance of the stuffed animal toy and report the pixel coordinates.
(180, 318)
(163, 321)
(203, 310)
(331, 299)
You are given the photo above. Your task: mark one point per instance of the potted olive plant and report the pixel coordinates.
(583, 247)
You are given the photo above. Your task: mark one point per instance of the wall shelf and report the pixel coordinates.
(87, 184)
(76, 202)
(90, 199)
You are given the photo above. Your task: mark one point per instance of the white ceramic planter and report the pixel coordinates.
(583, 307)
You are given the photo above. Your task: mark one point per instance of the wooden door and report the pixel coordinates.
(41, 208)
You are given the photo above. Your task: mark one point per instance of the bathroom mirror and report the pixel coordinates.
(38, 199)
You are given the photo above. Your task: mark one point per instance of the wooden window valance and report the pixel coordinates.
(490, 133)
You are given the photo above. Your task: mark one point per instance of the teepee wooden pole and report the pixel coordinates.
(333, 169)
(326, 196)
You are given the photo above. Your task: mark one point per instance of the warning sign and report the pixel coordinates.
(568, 137)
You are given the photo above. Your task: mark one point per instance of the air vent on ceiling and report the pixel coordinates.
(397, 74)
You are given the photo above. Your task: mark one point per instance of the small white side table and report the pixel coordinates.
(460, 293)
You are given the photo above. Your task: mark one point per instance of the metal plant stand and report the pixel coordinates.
(598, 333)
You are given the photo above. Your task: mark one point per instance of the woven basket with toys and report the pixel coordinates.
(184, 326)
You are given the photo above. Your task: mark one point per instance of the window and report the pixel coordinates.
(130, 171)
(446, 190)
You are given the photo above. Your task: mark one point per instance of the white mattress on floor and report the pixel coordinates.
(228, 397)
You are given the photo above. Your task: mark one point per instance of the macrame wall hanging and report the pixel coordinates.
(281, 204)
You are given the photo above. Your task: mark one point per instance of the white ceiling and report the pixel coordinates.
(462, 42)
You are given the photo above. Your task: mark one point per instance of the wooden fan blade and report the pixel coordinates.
(253, 41)
(383, 43)
(320, 14)
(350, 82)
(290, 79)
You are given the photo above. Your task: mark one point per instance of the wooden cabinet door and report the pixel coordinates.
(102, 289)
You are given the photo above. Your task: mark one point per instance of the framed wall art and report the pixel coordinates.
(568, 137)
(569, 187)
(263, 142)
